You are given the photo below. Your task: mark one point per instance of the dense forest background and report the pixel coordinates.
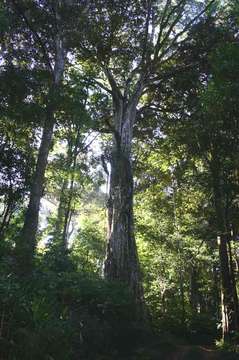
(119, 179)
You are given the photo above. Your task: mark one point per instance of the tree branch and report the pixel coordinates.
(164, 22)
(102, 86)
(185, 29)
(35, 34)
(116, 93)
(170, 29)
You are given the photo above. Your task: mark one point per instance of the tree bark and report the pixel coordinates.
(26, 245)
(121, 262)
(67, 192)
(6, 216)
(229, 302)
(25, 248)
(194, 298)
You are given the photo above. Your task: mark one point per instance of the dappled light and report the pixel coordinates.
(119, 180)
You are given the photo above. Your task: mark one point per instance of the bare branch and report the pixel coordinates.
(102, 86)
(144, 53)
(170, 29)
(162, 24)
(146, 34)
(186, 28)
(91, 141)
(165, 21)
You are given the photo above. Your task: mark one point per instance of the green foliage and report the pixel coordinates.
(186, 132)
(60, 315)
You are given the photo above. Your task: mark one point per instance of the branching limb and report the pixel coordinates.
(165, 22)
(185, 29)
(115, 89)
(42, 45)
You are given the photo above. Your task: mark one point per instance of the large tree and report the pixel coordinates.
(130, 43)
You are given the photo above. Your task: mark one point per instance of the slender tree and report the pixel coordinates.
(56, 68)
(43, 25)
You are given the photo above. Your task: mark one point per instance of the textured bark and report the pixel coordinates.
(228, 315)
(27, 244)
(229, 301)
(121, 258)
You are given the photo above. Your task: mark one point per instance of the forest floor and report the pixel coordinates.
(180, 352)
(200, 352)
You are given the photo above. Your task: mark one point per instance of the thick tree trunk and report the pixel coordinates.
(229, 302)
(228, 311)
(121, 262)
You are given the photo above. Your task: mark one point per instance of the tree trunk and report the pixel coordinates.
(26, 246)
(234, 288)
(229, 303)
(65, 210)
(67, 217)
(182, 297)
(57, 233)
(121, 262)
(6, 216)
(61, 233)
(194, 298)
(216, 293)
(228, 312)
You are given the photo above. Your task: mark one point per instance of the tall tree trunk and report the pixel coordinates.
(26, 245)
(121, 258)
(68, 215)
(57, 232)
(228, 310)
(216, 293)
(61, 233)
(182, 297)
(67, 192)
(229, 303)
(194, 298)
(234, 288)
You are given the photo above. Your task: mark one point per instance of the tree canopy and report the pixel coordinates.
(119, 179)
